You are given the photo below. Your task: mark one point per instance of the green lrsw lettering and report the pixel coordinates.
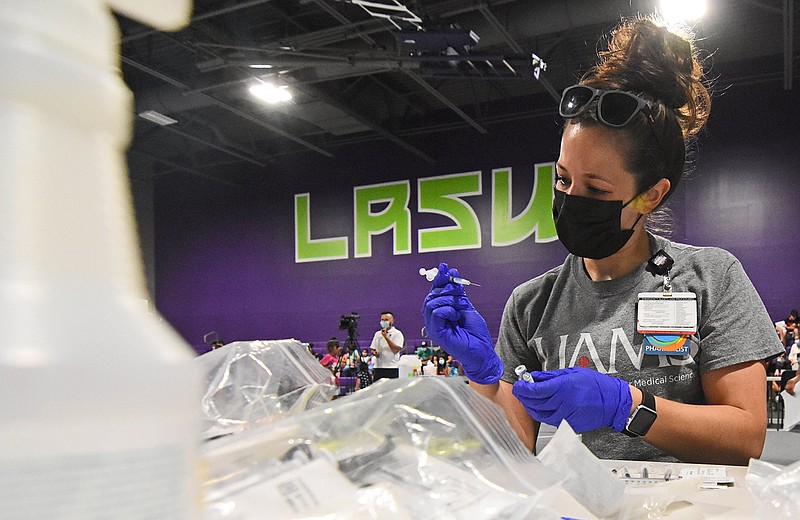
(536, 218)
(395, 216)
(442, 195)
(307, 249)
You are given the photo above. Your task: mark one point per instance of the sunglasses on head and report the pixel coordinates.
(615, 108)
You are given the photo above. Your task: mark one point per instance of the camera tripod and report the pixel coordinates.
(351, 344)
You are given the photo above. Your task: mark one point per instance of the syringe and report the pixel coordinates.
(522, 373)
(431, 273)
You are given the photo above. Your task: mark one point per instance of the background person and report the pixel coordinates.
(792, 383)
(331, 359)
(370, 359)
(364, 374)
(623, 152)
(792, 324)
(386, 346)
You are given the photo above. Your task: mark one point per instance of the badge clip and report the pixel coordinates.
(660, 264)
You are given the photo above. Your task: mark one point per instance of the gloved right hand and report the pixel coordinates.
(452, 321)
(586, 399)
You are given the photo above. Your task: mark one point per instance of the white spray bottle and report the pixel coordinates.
(99, 401)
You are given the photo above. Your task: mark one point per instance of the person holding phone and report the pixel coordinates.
(386, 345)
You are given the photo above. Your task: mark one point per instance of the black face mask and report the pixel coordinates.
(590, 228)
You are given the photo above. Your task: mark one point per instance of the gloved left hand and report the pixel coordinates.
(452, 321)
(587, 399)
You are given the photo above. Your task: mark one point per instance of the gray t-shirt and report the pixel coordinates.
(563, 319)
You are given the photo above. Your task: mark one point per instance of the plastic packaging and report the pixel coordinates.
(583, 475)
(401, 448)
(774, 488)
(98, 399)
(595, 486)
(257, 382)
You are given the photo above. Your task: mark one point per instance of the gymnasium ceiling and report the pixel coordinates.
(390, 70)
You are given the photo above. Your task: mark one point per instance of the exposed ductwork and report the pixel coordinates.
(341, 63)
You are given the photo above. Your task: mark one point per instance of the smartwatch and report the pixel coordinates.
(643, 417)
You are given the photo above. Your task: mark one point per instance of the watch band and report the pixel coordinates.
(648, 400)
(643, 417)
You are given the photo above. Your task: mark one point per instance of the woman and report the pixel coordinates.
(623, 152)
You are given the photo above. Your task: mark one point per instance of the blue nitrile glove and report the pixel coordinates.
(587, 399)
(452, 321)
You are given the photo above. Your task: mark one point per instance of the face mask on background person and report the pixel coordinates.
(384, 324)
(590, 228)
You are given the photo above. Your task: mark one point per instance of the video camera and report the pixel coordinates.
(349, 323)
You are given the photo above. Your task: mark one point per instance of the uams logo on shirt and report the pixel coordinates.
(583, 350)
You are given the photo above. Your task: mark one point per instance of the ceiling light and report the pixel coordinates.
(682, 10)
(157, 117)
(261, 66)
(270, 93)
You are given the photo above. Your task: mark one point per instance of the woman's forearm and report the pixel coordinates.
(731, 429)
(520, 421)
(711, 434)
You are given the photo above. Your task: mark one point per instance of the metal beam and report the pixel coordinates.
(397, 95)
(349, 111)
(204, 16)
(223, 149)
(766, 7)
(226, 106)
(788, 42)
(336, 34)
(342, 19)
(363, 28)
(266, 50)
(375, 127)
(449, 104)
(497, 26)
(182, 168)
(352, 113)
(318, 94)
(495, 23)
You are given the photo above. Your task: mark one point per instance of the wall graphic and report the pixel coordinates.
(383, 208)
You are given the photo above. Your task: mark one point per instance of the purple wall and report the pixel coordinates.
(225, 258)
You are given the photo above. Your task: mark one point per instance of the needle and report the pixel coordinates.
(463, 281)
(431, 273)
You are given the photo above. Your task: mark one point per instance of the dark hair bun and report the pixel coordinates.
(646, 58)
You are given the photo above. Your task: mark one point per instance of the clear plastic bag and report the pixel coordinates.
(592, 484)
(420, 447)
(582, 474)
(774, 488)
(257, 382)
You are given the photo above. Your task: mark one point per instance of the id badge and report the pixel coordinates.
(666, 345)
(659, 313)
